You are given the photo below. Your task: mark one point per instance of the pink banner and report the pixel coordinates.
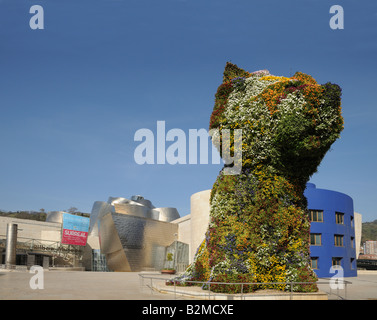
(74, 237)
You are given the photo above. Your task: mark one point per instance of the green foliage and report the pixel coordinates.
(34, 215)
(232, 71)
(29, 215)
(233, 288)
(369, 231)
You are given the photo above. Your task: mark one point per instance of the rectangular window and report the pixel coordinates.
(314, 262)
(339, 218)
(336, 261)
(315, 239)
(352, 223)
(338, 240)
(352, 263)
(352, 242)
(316, 215)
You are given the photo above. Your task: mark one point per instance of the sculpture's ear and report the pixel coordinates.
(232, 71)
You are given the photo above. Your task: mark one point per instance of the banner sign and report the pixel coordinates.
(75, 229)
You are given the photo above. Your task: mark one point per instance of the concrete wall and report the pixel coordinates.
(192, 227)
(45, 232)
(184, 231)
(358, 230)
(200, 207)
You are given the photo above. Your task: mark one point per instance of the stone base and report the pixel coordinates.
(67, 269)
(268, 294)
(167, 271)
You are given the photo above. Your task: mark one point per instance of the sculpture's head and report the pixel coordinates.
(288, 124)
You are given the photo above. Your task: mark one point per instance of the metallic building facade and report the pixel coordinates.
(134, 235)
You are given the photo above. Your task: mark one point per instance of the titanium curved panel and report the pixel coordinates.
(154, 214)
(119, 200)
(145, 202)
(99, 209)
(135, 200)
(157, 235)
(111, 245)
(131, 232)
(132, 209)
(168, 214)
(117, 261)
(55, 216)
(114, 200)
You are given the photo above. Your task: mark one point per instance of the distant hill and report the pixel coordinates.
(30, 215)
(369, 231)
(34, 215)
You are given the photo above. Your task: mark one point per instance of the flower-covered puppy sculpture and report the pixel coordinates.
(259, 226)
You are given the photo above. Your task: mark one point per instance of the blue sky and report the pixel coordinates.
(74, 94)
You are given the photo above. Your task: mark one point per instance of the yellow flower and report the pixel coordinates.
(274, 78)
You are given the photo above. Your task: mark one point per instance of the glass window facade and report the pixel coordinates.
(336, 261)
(314, 262)
(339, 217)
(98, 261)
(316, 215)
(315, 239)
(338, 240)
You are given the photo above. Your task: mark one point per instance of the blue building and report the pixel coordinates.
(332, 232)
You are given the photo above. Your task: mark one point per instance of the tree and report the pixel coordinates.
(73, 210)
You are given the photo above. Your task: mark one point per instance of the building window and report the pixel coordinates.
(98, 261)
(315, 239)
(352, 222)
(338, 240)
(352, 263)
(316, 215)
(314, 262)
(336, 262)
(339, 218)
(352, 242)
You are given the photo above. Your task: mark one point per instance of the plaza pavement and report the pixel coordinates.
(76, 285)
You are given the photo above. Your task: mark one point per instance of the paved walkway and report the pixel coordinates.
(363, 287)
(73, 285)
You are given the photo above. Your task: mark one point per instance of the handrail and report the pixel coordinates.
(209, 283)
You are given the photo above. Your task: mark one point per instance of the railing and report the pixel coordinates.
(42, 245)
(146, 280)
(21, 267)
(13, 267)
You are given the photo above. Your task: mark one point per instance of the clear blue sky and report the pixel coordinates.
(73, 95)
